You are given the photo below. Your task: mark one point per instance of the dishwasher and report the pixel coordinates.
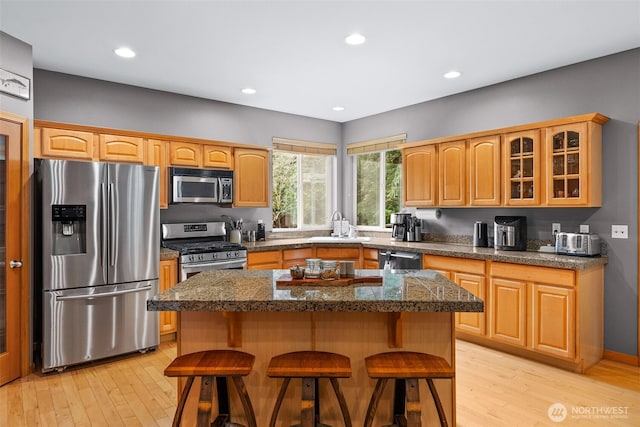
(398, 260)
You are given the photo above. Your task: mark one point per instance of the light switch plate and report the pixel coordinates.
(619, 231)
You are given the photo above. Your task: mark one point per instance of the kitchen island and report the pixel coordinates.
(247, 310)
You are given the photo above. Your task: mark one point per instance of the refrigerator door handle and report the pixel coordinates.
(113, 226)
(102, 295)
(103, 230)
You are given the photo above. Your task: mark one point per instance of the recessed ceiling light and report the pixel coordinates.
(248, 91)
(355, 39)
(452, 74)
(124, 52)
(338, 108)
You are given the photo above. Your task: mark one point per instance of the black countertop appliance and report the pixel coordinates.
(510, 233)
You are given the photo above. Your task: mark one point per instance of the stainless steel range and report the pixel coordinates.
(202, 247)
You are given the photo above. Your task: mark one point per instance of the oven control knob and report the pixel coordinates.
(200, 257)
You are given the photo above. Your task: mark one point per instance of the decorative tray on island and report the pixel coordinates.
(286, 280)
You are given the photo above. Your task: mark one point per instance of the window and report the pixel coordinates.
(303, 182)
(377, 171)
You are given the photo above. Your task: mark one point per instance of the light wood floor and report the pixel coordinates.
(493, 389)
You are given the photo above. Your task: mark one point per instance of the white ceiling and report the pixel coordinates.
(293, 52)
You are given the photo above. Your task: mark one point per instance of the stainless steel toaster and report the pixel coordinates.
(579, 244)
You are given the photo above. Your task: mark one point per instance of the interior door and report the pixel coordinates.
(11, 272)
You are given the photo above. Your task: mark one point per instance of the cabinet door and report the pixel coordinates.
(521, 168)
(217, 157)
(291, 257)
(68, 144)
(419, 177)
(507, 316)
(157, 156)
(484, 171)
(567, 164)
(118, 148)
(553, 320)
(185, 154)
(251, 178)
(370, 259)
(168, 278)
(471, 322)
(264, 260)
(452, 167)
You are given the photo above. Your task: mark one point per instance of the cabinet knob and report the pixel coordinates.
(15, 264)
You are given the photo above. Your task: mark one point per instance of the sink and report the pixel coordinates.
(335, 239)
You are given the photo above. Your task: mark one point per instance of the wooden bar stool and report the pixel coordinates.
(310, 366)
(406, 368)
(218, 364)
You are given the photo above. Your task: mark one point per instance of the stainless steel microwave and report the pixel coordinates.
(191, 185)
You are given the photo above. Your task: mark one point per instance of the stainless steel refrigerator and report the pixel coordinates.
(98, 239)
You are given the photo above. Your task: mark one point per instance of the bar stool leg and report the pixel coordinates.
(341, 401)
(373, 403)
(244, 399)
(183, 400)
(276, 408)
(308, 413)
(413, 403)
(204, 403)
(436, 400)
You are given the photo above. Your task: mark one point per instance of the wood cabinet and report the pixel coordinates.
(574, 164)
(553, 320)
(157, 154)
(251, 178)
(66, 144)
(217, 156)
(521, 168)
(168, 278)
(484, 171)
(420, 176)
(264, 260)
(370, 259)
(291, 257)
(340, 253)
(452, 174)
(119, 148)
(468, 274)
(185, 154)
(508, 311)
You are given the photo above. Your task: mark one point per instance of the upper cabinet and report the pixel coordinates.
(553, 163)
(185, 154)
(157, 154)
(251, 178)
(574, 164)
(484, 171)
(419, 180)
(216, 156)
(63, 143)
(522, 180)
(118, 148)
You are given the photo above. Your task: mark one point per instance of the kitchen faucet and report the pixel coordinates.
(333, 220)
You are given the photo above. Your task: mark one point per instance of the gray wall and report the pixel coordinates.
(610, 86)
(72, 99)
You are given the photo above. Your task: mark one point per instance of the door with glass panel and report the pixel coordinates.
(10, 249)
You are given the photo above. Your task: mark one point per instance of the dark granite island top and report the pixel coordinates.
(254, 290)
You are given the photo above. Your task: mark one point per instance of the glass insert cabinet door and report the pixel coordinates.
(566, 148)
(523, 168)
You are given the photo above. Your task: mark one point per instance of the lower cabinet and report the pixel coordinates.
(370, 260)
(508, 311)
(340, 253)
(553, 327)
(293, 257)
(168, 278)
(468, 274)
(264, 260)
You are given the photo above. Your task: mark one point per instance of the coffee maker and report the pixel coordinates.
(400, 223)
(510, 233)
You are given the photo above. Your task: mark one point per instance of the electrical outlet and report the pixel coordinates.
(619, 231)
(584, 228)
(555, 228)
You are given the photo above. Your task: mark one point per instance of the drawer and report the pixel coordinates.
(553, 276)
(300, 253)
(461, 265)
(338, 253)
(370, 254)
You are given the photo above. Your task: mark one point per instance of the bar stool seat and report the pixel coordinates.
(406, 367)
(221, 365)
(310, 366)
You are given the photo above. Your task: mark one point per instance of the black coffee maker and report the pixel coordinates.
(400, 226)
(510, 233)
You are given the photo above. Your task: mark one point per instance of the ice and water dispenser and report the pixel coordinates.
(69, 229)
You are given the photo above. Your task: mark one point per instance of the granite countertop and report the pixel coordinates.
(256, 290)
(541, 259)
(168, 254)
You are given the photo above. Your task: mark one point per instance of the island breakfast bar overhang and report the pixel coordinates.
(244, 309)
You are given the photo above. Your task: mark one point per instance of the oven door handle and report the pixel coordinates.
(220, 265)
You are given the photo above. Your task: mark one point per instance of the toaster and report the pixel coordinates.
(579, 244)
